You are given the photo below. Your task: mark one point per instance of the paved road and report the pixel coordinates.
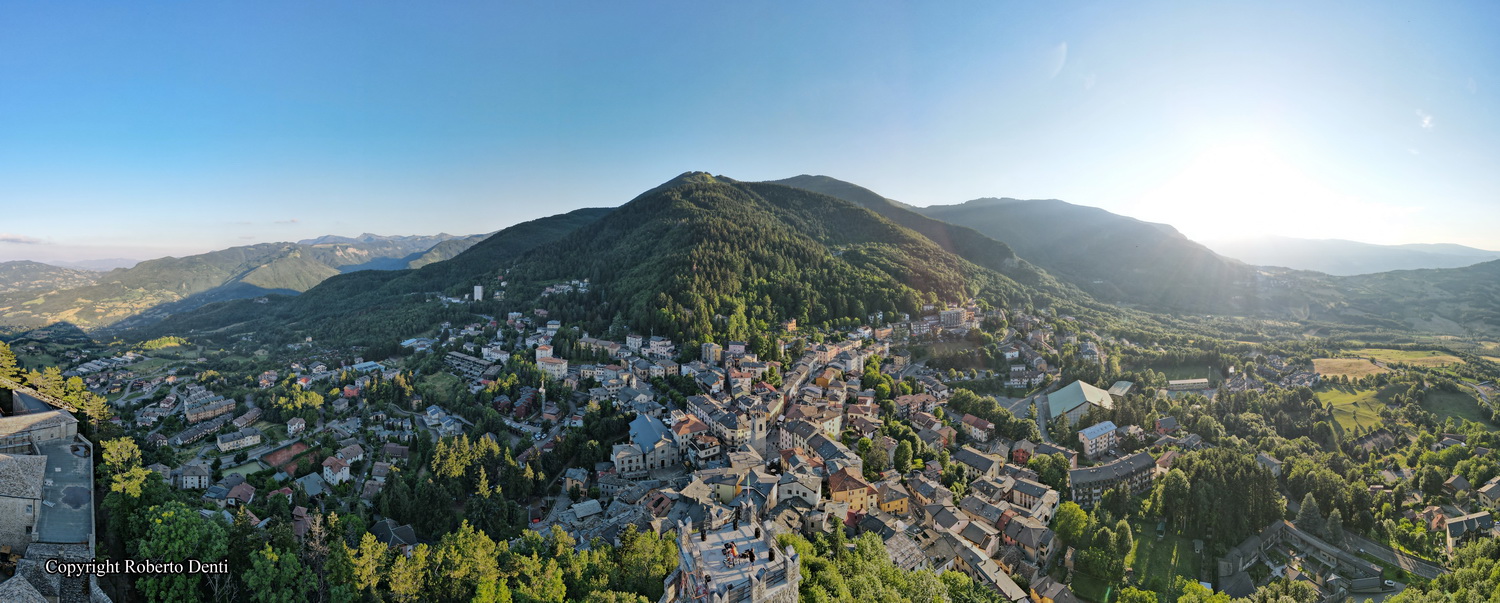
(1479, 390)
(1411, 564)
(1415, 566)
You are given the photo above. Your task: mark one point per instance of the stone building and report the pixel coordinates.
(762, 572)
(21, 478)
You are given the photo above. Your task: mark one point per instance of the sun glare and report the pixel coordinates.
(1245, 189)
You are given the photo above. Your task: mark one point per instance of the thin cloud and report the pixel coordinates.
(1426, 119)
(291, 221)
(1058, 58)
(6, 237)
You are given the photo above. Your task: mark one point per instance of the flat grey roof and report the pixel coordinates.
(713, 554)
(30, 403)
(69, 518)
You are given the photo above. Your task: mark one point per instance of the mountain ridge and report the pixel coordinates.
(1341, 257)
(26, 275)
(700, 256)
(153, 289)
(1033, 230)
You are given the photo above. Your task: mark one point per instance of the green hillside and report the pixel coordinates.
(24, 275)
(681, 256)
(154, 289)
(1457, 301)
(697, 256)
(366, 307)
(1113, 257)
(962, 241)
(445, 250)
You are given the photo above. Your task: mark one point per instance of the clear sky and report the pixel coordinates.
(143, 129)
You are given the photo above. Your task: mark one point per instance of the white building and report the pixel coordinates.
(1097, 439)
(556, 368)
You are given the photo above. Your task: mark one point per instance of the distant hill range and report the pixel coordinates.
(1155, 268)
(709, 256)
(376, 252)
(1450, 301)
(102, 265)
(366, 307)
(150, 290)
(699, 256)
(1112, 257)
(1344, 258)
(25, 275)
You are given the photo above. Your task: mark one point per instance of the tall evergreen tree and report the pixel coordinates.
(1308, 517)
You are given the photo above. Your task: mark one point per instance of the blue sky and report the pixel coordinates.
(139, 130)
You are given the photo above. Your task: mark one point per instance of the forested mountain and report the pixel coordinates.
(705, 255)
(698, 256)
(1454, 301)
(366, 307)
(410, 242)
(153, 289)
(24, 275)
(1339, 257)
(377, 252)
(445, 250)
(1113, 257)
(1153, 266)
(962, 241)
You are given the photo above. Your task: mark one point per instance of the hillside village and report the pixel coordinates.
(732, 447)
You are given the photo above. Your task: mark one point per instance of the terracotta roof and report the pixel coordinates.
(845, 480)
(689, 425)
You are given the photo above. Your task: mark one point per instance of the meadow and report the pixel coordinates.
(1350, 367)
(1355, 408)
(1425, 358)
(1460, 404)
(1151, 559)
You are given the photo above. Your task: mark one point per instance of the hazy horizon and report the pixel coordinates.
(74, 254)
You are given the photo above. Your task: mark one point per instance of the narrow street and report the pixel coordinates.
(1406, 562)
(1418, 567)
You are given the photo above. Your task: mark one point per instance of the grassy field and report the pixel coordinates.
(438, 389)
(1414, 357)
(1151, 559)
(1353, 367)
(271, 432)
(147, 367)
(1354, 407)
(1494, 359)
(1456, 404)
(1171, 556)
(1090, 588)
(949, 347)
(1185, 371)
